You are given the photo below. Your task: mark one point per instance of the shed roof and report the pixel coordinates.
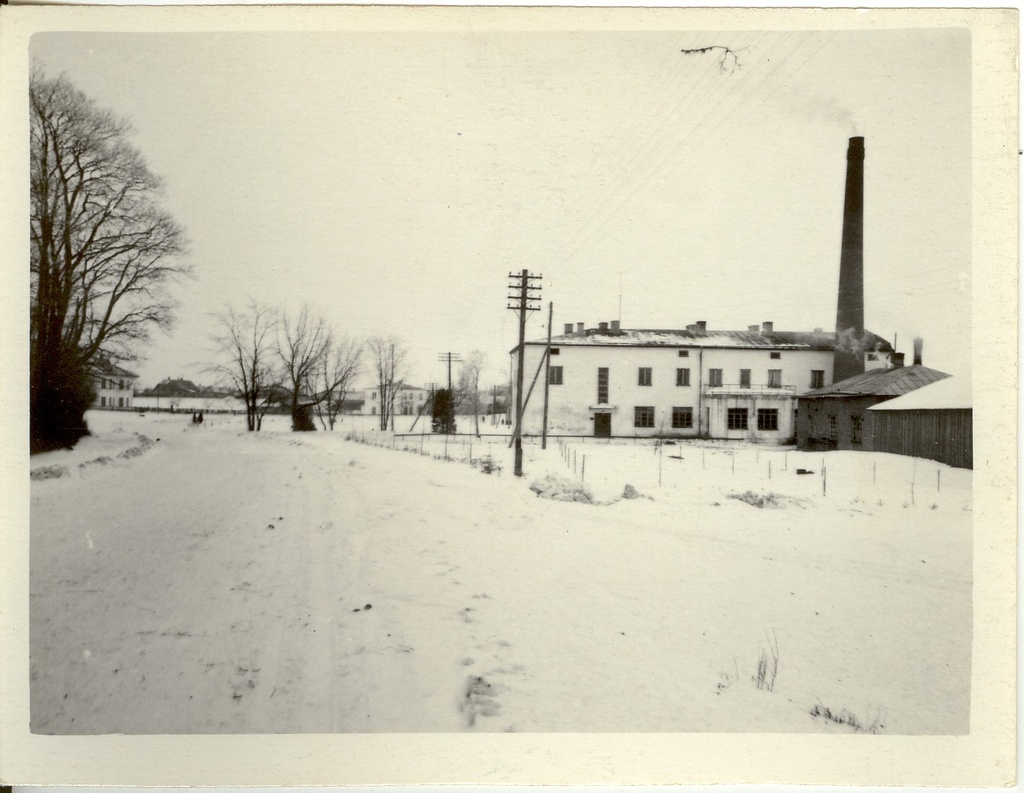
(881, 382)
(740, 339)
(951, 393)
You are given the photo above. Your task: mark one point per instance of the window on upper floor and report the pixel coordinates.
(555, 375)
(602, 385)
(645, 375)
(776, 356)
(744, 378)
(714, 377)
(682, 377)
(555, 351)
(817, 378)
(684, 353)
(775, 378)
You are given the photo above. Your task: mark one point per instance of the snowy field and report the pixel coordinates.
(211, 580)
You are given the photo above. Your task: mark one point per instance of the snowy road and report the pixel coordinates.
(225, 582)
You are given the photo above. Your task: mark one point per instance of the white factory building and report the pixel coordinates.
(697, 382)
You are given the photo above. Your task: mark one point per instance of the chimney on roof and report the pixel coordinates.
(897, 360)
(615, 326)
(768, 327)
(918, 346)
(691, 328)
(849, 349)
(568, 328)
(579, 327)
(603, 327)
(819, 330)
(702, 327)
(753, 328)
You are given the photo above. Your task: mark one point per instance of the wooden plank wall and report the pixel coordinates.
(942, 435)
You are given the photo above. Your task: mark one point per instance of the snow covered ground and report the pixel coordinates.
(216, 581)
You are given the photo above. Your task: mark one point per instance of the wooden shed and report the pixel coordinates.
(839, 416)
(935, 422)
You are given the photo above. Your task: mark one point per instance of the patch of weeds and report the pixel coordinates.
(846, 718)
(768, 663)
(759, 500)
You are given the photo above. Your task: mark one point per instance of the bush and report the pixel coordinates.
(559, 488)
(845, 717)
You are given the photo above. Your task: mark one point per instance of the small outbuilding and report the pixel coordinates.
(935, 422)
(838, 416)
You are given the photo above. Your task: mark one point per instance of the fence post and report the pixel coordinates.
(824, 479)
(769, 469)
(583, 470)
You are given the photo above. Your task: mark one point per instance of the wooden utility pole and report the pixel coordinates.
(450, 416)
(547, 380)
(521, 301)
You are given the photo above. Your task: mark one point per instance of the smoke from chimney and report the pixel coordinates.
(918, 347)
(849, 350)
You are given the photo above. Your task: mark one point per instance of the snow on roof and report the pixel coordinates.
(881, 382)
(950, 393)
(640, 337)
(108, 369)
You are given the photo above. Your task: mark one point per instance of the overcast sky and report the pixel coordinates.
(393, 180)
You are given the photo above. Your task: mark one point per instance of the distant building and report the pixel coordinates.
(742, 385)
(409, 400)
(115, 387)
(180, 395)
(838, 416)
(935, 422)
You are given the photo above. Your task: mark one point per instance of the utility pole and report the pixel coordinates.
(450, 412)
(547, 380)
(522, 300)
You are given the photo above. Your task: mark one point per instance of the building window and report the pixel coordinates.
(737, 418)
(120, 385)
(555, 351)
(833, 427)
(645, 375)
(776, 356)
(775, 378)
(714, 377)
(602, 385)
(768, 419)
(682, 418)
(373, 395)
(555, 375)
(817, 378)
(682, 377)
(120, 402)
(872, 356)
(856, 428)
(103, 402)
(684, 353)
(643, 416)
(744, 378)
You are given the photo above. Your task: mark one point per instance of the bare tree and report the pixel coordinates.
(335, 375)
(469, 385)
(388, 356)
(102, 253)
(302, 345)
(245, 343)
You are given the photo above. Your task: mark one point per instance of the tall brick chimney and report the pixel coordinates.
(849, 352)
(918, 347)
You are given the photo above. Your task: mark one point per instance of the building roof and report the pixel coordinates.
(880, 382)
(950, 393)
(108, 369)
(740, 339)
(185, 388)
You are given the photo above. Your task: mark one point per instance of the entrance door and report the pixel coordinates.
(602, 425)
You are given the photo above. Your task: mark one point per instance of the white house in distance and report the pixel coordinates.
(409, 400)
(614, 382)
(115, 387)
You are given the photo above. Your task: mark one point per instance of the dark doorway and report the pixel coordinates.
(602, 425)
